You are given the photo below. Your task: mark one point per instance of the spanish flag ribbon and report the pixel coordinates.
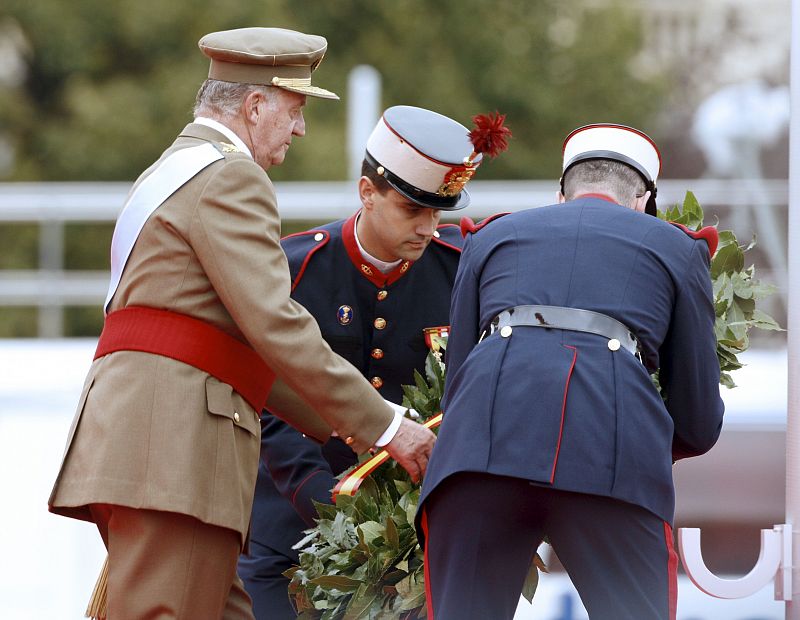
(349, 484)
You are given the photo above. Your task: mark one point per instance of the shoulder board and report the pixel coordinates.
(300, 247)
(469, 226)
(449, 236)
(708, 233)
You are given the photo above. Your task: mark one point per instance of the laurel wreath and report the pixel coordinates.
(363, 561)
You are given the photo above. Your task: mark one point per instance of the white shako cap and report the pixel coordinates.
(425, 156)
(620, 143)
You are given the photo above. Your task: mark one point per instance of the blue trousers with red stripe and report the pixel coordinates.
(481, 532)
(261, 573)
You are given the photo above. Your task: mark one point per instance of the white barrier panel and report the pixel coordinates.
(49, 563)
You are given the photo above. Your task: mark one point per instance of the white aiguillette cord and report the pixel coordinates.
(169, 177)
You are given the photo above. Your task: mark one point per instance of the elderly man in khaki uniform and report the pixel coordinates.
(164, 448)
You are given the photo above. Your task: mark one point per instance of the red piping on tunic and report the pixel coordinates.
(563, 408)
(426, 573)
(365, 268)
(306, 479)
(320, 245)
(467, 224)
(440, 241)
(672, 572)
(605, 197)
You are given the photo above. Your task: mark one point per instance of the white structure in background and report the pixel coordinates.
(363, 111)
(13, 70)
(732, 127)
(774, 564)
(720, 41)
(780, 549)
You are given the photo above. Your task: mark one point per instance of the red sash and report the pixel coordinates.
(192, 342)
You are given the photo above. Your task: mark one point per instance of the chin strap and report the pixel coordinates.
(650, 208)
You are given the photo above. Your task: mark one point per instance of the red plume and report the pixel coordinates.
(490, 135)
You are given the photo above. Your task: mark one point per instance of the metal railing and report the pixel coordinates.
(745, 206)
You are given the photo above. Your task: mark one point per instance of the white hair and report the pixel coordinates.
(606, 176)
(223, 100)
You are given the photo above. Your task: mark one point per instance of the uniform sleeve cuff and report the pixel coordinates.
(393, 427)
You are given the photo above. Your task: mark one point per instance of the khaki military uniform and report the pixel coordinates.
(154, 433)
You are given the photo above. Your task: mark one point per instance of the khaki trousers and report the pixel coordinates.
(169, 565)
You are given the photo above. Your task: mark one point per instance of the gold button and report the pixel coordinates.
(377, 353)
(318, 237)
(236, 416)
(349, 441)
(613, 344)
(382, 295)
(505, 332)
(379, 323)
(377, 382)
(436, 234)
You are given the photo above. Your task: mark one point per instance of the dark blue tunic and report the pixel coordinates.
(376, 321)
(554, 432)
(558, 407)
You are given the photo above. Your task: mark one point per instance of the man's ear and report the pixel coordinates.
(251, 106)
(641, 202)
(560, 198)
(366, 192)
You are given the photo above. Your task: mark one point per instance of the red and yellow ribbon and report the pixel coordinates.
(349, 484)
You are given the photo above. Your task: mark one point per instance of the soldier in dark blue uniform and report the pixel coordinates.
(552, 425)
(375, 283)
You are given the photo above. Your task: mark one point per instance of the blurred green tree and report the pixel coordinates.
(110, 84)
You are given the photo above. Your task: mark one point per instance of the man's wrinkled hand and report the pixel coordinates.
(411, 447)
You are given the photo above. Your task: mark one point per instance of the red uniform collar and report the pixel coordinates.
(605, 197)
(366, 268)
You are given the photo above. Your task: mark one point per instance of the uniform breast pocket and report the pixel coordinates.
(348, 347)
(417, 343)
(221, 402)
